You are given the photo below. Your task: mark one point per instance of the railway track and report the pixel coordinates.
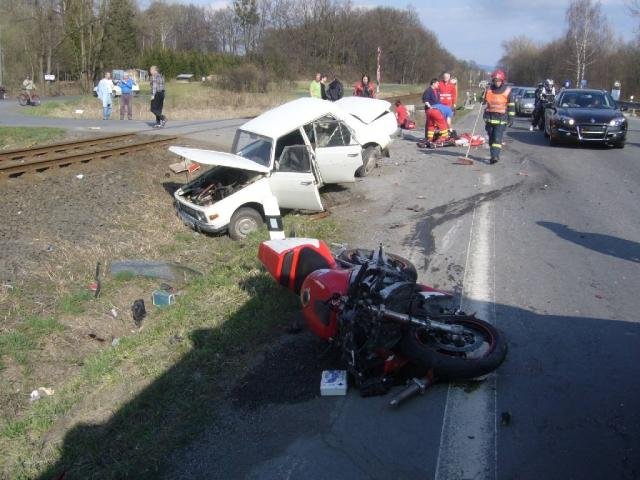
(14, 163)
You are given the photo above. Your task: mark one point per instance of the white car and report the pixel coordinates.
(288, 153)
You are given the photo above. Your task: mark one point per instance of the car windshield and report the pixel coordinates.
(529, 94)
(586, 100)
(253, 147)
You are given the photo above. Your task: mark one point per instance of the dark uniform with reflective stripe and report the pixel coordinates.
(498, 114)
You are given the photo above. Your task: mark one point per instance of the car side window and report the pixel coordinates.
(331, 133)
(290, 139)
(295, 158)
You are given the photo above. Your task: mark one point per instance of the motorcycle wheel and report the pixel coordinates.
(356, 256)
(483, 351)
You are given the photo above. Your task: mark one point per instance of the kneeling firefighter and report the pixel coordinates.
(499, 112)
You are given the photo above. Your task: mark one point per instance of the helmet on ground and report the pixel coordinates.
(548, 83)
(499, 75)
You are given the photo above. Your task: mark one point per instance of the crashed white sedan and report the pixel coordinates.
(288, 153)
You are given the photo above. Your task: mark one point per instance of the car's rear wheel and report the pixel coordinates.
(243, 222)
(370, 156)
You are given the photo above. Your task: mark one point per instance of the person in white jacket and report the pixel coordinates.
(105, 94)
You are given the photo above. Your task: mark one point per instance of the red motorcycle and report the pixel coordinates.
(389, 327)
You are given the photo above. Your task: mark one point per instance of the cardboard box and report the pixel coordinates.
(333, 382)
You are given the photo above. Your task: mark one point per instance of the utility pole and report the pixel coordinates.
(1, 59)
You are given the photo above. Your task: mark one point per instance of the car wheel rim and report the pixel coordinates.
(246, 226)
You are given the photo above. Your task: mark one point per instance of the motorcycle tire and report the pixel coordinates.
(355, 255)
(450, 362)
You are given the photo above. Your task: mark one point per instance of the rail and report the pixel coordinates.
(18, 162)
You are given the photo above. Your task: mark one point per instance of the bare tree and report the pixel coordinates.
(587, 27)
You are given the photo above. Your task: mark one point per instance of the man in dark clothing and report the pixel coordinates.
(498, 113)
(430, 97)
(157, 96)
(323, 86)
(335, 90)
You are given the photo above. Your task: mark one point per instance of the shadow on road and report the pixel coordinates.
(605, 244)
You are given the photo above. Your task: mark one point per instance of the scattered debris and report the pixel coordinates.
(79, 111)
(175, 339)
(505, 419)
(416, 208)
(523, 174)
(172, 272)
(80, 176)
(421, 197)
(96, 337)
(162, 298)
(544, 187)
(333, 382)
(50, 248)
(138, 312)
(184, 166)
(115, 342)
(41, 392)
(114, 312)
(97, 281)
(396, 225)
(318, 216)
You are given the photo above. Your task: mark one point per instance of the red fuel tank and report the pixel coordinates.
(318, 291)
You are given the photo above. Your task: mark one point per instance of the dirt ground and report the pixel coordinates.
(54, 227)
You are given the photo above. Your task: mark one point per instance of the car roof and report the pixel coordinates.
(287, 117)
(583, 90)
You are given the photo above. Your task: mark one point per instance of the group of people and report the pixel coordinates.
(439, 100)
(105, 92)
(320, 87)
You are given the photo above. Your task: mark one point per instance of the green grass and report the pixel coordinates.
(234, 305)
(23, 137)
(21, 342)
(74, 303)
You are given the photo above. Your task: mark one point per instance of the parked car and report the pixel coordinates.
(585, 116)
(288, 152)
(525, 101)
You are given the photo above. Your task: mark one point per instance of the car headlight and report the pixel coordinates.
(616, 122)
(567, 120)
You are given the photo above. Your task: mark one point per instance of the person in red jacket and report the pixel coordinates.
(401, 114)
(436, 122)
(364, 88)
(448, 91)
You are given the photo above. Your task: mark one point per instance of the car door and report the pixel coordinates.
(337, 154)
(293, 182)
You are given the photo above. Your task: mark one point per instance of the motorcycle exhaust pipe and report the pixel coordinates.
(408, 319)
(416, 386)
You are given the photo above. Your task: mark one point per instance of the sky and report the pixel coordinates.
(475, 30)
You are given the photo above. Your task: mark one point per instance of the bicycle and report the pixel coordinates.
(24, 99)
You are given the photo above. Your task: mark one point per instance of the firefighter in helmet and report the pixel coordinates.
(499, 112)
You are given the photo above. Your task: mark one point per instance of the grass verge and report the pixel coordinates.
(24, 137)
(132, 404)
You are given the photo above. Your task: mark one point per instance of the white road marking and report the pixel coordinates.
(449, 236)
(468, 448)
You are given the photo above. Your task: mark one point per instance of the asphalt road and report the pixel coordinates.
(546, 245)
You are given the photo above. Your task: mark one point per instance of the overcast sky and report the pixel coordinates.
(475, 30)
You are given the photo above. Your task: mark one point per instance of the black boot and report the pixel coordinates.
(493, 160)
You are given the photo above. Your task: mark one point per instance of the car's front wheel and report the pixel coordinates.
(370, 156)
(243, 222)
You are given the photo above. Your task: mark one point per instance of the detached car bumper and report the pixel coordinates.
(190, 218)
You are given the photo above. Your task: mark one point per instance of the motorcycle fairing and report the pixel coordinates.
(291, 260)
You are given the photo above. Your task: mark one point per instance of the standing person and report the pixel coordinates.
(157, 96)
(334, 89)
(545, 93)
(498, 113)
(29, 86)
(315, 90)
(126, 95)
(430, 97)
(448, 91)
(364, 88)
(323, 86)
(105, 94)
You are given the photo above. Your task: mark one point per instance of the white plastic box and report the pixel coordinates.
(333, 382)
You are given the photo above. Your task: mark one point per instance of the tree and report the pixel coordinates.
(247, 17)
(587, 30)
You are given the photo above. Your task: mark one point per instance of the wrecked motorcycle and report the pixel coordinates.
(389, 328)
